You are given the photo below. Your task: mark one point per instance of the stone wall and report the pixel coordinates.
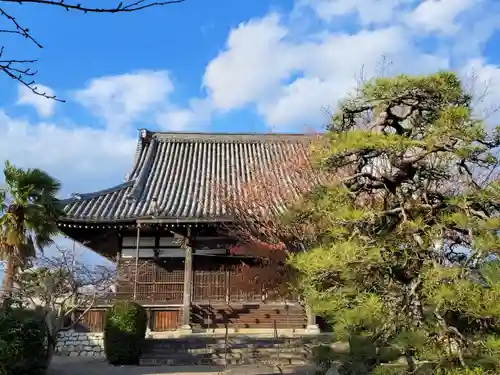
(86, 344)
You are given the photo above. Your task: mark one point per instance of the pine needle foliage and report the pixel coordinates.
(407, 260)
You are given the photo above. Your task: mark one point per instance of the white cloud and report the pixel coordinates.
(368, 11)
(196, 116)
(44, 106)
(142, 96)
(439, 15)
(308, 74)
(121, 99)
(290, 73)
(484, 80)
(83, 158)
(256, 59)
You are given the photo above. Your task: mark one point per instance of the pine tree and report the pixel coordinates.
(406, 238)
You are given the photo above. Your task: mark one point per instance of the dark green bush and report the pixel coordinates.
(23, 343)
(124, 333)
(323, 356)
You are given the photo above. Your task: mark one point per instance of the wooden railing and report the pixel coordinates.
(142, 298)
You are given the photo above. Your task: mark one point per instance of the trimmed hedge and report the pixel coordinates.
(23, 343)
(124, 333)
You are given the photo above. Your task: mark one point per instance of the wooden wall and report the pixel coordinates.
(161, 281)
(160, 319)
(235, 316)
(157, 281)
(165, 320)
(92, 321)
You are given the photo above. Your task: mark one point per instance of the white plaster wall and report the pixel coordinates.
(167, 253)
(78, 344)
(149, 253)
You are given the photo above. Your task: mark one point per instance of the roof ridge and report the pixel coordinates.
(231, 137)
(143, 174)
(229, 133)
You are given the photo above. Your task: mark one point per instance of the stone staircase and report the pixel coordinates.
(238, 351)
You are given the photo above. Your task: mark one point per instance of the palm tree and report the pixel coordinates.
(29, 211)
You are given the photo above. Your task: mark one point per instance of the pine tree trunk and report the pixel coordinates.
(8, 282)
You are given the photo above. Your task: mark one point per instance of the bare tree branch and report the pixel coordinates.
(61, 284)
(25, 32)
(119, 8)
(21, 70)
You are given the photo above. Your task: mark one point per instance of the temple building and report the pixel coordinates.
(162, 226)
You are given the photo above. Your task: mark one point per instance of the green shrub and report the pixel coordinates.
(124, 333)
(23, 343)
(322, 356)
(471, 371)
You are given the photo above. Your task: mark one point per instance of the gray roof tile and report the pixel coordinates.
(174, 175)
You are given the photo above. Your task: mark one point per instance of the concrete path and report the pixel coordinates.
(95, 366)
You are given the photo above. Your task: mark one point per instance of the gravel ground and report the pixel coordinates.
(94, 366)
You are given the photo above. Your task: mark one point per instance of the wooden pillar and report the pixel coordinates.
(117, 262)
(116, 290)
(150, 319)
(188, 284)
(137, 259)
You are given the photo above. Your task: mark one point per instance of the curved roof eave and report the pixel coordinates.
(77, 197)
(148, 219)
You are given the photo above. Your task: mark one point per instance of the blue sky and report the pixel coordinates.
(220, 65)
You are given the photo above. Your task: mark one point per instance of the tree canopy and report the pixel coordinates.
(402, 238)
(29, 211)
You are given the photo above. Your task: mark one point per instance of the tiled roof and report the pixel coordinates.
(174, 175)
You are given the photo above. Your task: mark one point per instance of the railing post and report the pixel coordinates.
(228, 286)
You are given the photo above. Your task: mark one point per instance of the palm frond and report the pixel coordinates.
(41, 185)
(3, 198)
(26, 249)
(29, 220)
(41, 221)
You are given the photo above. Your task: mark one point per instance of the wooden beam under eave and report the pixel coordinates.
(103, 241)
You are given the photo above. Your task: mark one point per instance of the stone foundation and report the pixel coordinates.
(86, 344)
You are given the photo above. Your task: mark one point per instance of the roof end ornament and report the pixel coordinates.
(145, 135)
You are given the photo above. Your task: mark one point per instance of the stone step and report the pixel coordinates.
(186, 361)
(271, 356)
(236, 339)
(176, 345)
(239, 352)
(177, 348)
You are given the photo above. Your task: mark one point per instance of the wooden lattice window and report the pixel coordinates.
(209, 285)
(169, 292)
